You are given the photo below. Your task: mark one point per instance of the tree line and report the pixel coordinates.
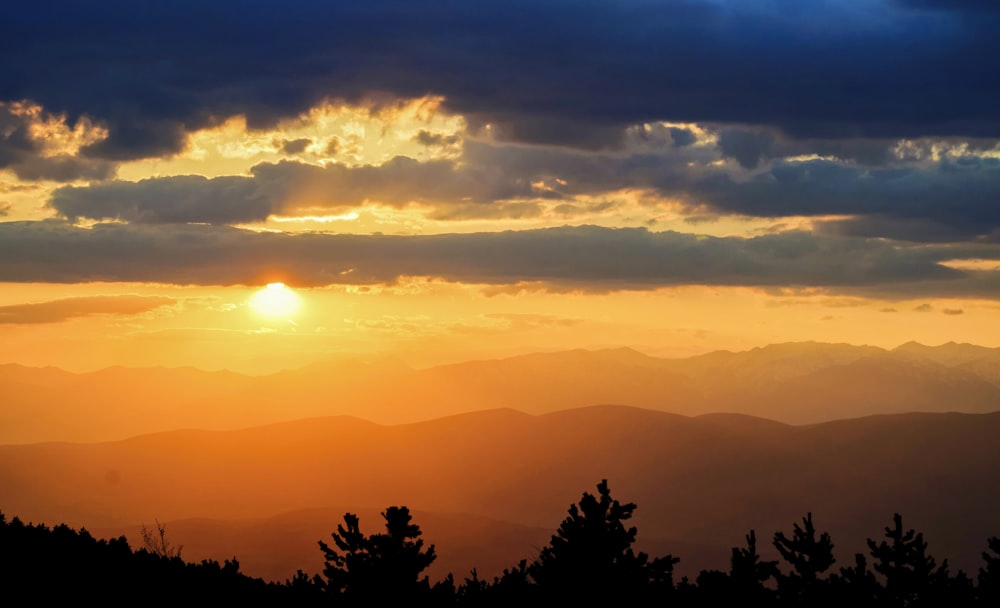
(589, 559)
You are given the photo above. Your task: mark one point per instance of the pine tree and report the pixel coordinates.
(855, 586)
(591, 555)
(989, 577)
(748, 573)
(809, 557)
(381, 567)
(909, 572)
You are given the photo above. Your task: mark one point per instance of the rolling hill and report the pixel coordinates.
(698, 481)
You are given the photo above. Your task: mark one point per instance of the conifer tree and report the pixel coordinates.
(381, 567)
(591, 555)
(809, 557)
(989, 577)
(909, 572)
(748, 572)
(855, 586)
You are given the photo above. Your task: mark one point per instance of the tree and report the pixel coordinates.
(909, 572)
(157, 543)
(989, 577)
(745, 581)
(809, 557)
(748, 572)
(590, 555)
(855, 586)
(381, 567)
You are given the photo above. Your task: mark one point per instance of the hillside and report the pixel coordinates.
(697, 480)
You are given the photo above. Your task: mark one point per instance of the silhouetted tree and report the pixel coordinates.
(909, 572)
(109, 573)
(748, 572)
(590, 556)
(473, 590)
(307, 590)
(157, 543)
(809, 557)
(855, 586)
(989, 577)
(381, 567)
(745, 582)
(512, 588)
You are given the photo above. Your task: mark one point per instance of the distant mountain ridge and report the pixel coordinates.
(702, 480)
(798, 383)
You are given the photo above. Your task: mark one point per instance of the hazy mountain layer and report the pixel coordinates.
(795, 383)
(697, 481)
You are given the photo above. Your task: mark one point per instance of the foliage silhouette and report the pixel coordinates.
(590, 560)
(60, 565)
(380, 567)
(157, 543)
(744, 582)
(855, 586)
(909, 572)
(748, 572)
(513, 587)
(989, 577)
(590, 555)
(809, 557)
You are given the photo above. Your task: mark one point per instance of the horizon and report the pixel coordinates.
(372, 358)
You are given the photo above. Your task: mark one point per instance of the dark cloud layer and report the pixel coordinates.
(586, 258)
(552, 71)
(276, 188)
(950, 200)
(186, 198)
(24, 156)
(956, 199)
(54, 311)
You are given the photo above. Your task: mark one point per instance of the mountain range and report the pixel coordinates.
(492, 485)
(795, 383)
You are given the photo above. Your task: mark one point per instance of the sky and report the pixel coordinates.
(452, 180)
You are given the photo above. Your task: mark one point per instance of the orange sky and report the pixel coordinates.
(450, 314)
(428, 322)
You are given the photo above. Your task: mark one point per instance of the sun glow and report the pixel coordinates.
(276, 301)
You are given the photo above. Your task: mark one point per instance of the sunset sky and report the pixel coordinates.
(449, 180)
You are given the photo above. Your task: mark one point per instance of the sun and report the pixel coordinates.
(276, 300)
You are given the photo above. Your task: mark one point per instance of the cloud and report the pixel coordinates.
(25, 155)
(747, 147)
(949, 200)
(924, 308)
(533, 321)
(55, 311)
(281, 188)
(553, 72)
(921, 199)
(436, 139)
(493, 211)
(187, 198)
(750, 146)
(295, 146)
(584, 258)
(681, 137)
